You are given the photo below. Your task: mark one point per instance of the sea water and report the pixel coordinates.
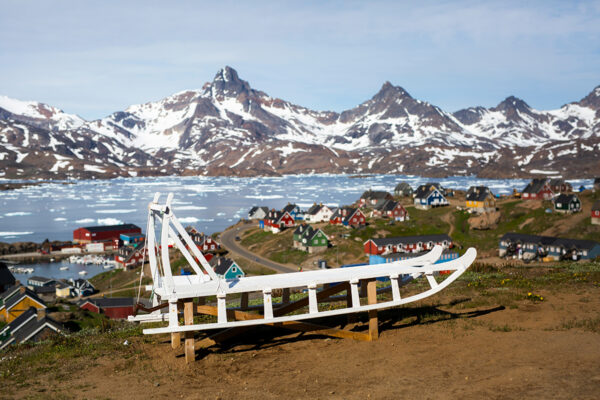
(211, 204)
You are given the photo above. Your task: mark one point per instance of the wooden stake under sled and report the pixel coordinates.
(176, 293)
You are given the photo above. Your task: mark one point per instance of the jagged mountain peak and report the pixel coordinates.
(228, 83)
(512, 103)
(388, 90)
(592, 100)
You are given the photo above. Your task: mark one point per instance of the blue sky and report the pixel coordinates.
(93, 58)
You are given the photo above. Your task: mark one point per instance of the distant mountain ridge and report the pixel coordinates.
(229, 128)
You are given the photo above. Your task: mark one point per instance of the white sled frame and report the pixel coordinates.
(204, 283)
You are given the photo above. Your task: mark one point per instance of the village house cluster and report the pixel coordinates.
(382, 204)
(547, 248)
(23, 311)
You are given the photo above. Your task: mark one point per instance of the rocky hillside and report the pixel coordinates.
(229, 128)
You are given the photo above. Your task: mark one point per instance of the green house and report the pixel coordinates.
(226, 268)
(299, 232)
(567, 203)
(313, 240)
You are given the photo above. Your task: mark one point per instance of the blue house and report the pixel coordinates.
(294, 211)
(427, 196)
(447, 255)
(530, 247)
(131, 238)
(226, 268)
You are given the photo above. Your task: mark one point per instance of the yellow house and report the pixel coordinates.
(63, 290)
(480, 199)
(16, 302)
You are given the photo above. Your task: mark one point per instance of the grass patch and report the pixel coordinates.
(114, 279)
(258, 236)
(73, 353)
(289, 256)
(588, 324)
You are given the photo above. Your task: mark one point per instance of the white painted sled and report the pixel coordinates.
(205, 283)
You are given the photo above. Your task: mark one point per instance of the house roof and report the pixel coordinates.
(375, 194)
(388, 205)
(80, 283)
(535, 186)
(312, 233)
(596, 206)
(254, 209)
(424, 191)
(276, 216)
(403, 186)
(289, 208)
(40, 279)
(27, 324)
(20, 296)
(550, 241)
(437, 185)
(39, 290)
(411, 239)
(62, 285)
(6, 277)
(109, 228)
(314, 209)
(413, 255)
(301, 228)
(478, 193)
(350, 211)
(565, 198)
(221, 264)
(10, 291)
(110, 302)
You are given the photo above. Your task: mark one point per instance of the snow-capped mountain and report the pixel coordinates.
(38, 114)
(229, 128)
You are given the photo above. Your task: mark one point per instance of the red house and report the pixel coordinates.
(538, 189)
(278, 220)
(348, 216)
(391, 209)
(131, 256)
(596, 213)
(372, 198)
(406, 244)
(205, 243)
(113, 307)
(103, 233)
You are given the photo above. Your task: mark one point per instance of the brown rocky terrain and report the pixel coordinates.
(497, 334)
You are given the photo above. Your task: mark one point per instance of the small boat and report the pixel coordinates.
(82, 272)
(64, 268)
(20, 270)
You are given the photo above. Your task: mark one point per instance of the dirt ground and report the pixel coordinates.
(434, 350)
